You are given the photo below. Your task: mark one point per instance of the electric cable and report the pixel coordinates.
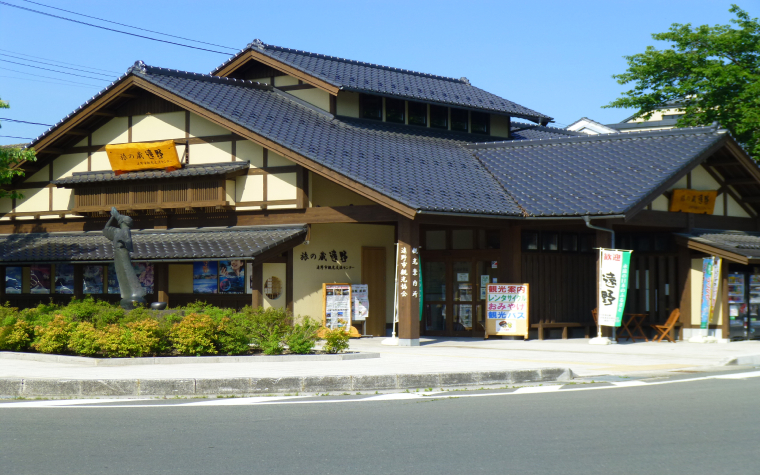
(111, 29)
(47, 77)
(130, 26)
(57, 66)
(24, 122)
(56, 61)
(14, 137)
(53, 70)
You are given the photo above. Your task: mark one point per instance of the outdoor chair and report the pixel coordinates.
(663, 331)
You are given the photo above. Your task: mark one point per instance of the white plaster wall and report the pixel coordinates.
(252, 152)
(114, 131)
(42, 175)
(249, 188)
(280, 81)
(200, 127)
(277, 160)
(67, 165)
(63, 199)
(99, 161)
(347, 104)
(154, 127)
(210, 153)
(35, 199)
(660, 203)
(314, 96)
(281, 186)
(499, 125)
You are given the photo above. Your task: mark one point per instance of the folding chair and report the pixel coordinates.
(663, 331)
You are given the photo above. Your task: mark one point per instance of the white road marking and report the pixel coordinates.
(277, 400)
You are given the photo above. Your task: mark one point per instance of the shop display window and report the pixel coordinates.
(64, 279)
(39, 279)
(13, 280)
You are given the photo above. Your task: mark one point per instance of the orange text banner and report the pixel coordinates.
(693, 201)
(143, 156)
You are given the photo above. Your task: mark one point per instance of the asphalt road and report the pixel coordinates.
(697, 427)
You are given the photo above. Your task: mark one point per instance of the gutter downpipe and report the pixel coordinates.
(587, 220)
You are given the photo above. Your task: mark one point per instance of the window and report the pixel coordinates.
(587, 242)
(672, 116)
(549, 241)
(371, 107)
(462, 239)
(530, 241)
(661, 244)
(417, 113)
(481, 123)
(395, 110)
(439, 117)
(459, 120)
(569, 242)
(435, 240)
(273, 288)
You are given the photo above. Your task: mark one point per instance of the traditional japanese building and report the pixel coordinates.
(300, 169)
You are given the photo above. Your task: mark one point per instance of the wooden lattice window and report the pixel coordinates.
(273, 288)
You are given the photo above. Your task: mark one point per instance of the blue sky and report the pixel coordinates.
(556, 57)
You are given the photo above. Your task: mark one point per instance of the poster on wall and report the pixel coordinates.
(337, 306)
(113, 281)
(232, 277)
(92, 279)
(64, 278)
(13, 280)
(465, 316)
(736, 288)
(40, 279)
(144, 272)
(507, 309)
(360, 295)
(205, 275)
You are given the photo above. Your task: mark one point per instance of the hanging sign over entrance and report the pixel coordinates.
(507, 311)
(613, 285)
(130, 157)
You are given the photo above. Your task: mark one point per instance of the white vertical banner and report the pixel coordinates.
(613, 286)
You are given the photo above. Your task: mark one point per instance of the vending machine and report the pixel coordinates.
(744, 305)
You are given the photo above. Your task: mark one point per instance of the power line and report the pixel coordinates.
(57, 66)
(62, 62)
(47, 77)
(14, 137)
(53, 70)
(129, 26)
(111, 29)
(47, 82)
(24, 122)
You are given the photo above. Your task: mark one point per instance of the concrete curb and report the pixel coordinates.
(746, 360)
(87, 361)
(73, 388)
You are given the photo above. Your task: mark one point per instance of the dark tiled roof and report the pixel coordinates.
(604, 174)
(523, 131)
(421, 168)
(207, 169)
(175, 244)
(739, 242)
(372, 78)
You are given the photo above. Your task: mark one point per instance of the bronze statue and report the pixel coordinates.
(120, 234)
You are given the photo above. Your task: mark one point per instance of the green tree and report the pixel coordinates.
(10, 160)
(712, 70)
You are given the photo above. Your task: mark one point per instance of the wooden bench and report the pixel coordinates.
(541, 327)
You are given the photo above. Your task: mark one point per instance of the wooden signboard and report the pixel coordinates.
(143, 156)
(693, 201)
(507, 310)
(336, 306)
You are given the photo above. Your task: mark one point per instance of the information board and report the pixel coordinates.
(336, 306)
(507, 310)
(360, 302)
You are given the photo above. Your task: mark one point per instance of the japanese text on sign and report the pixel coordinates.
(408, 276)
(507, 309)
(143, 156)
(613, 286)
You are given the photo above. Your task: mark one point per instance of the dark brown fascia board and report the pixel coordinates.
(297, 158)
(664, 187)
(712, 250)
(290, 70)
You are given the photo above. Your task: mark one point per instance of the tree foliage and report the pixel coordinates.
(712, 71)
(10, 159)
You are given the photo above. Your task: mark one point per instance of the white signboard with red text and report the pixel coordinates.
(507, 310)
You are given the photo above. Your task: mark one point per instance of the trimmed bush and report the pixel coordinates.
(303, 337)
(16, 336)
(194, 335)
(335, 341)
(231, 337)
(267, 329)
(84, 339)
(53, 337)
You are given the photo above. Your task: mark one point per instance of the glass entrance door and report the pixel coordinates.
(454, 298)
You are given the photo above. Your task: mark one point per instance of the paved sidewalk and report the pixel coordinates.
(438, 362)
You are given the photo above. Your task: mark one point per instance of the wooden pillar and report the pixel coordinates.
(79, 281)
(257, 285)
(684, 288)
(408, 299)
(510, 255)
(162, 281)
(289, 282)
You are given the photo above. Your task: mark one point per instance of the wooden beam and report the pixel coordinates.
(105, 113)
(730, 192)
(741, 181)
(82, 132)
(751, 199)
